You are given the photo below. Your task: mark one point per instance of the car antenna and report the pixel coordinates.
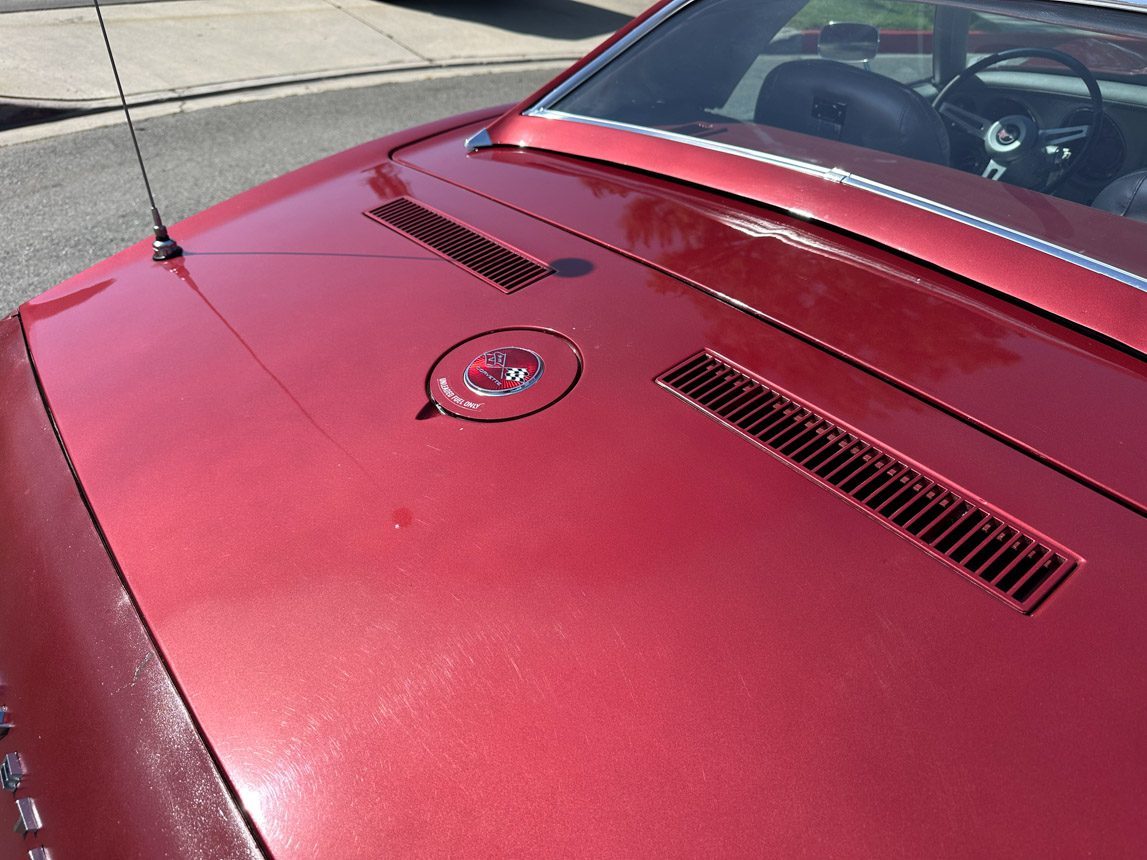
(164, 247)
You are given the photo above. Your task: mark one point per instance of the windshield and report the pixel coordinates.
(1045, 97)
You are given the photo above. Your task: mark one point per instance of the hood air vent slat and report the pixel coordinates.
(1001, 556)
(490, 260)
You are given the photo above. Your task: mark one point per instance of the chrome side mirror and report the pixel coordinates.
(848, 42)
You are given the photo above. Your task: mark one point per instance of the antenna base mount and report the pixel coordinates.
(164, 247)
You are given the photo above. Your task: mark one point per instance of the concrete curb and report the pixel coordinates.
(153, 97)
(108, 112)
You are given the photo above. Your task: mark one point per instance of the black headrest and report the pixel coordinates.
(841, 102)
(1125, 196)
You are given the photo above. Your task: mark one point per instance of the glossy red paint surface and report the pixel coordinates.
(1106, 306)
(613, 627)
(114, 763)
(951, 342)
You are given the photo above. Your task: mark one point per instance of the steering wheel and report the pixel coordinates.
(1016, 140)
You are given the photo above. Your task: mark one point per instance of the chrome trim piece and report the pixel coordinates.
(843, 177)
(1127, 5)
(1017, 236)
(39, 854)
(6, 724)
(830, 174)
(542, 110)
(28, 817)
(12, 771)
(611, 52)
(479, 140)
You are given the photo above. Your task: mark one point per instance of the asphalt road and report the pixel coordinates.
(70, 201)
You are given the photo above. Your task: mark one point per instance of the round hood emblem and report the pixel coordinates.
(502, 371)
(471, 379)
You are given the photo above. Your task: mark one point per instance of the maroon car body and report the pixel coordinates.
(262, 597)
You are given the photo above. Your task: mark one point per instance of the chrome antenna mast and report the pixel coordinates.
(164, 247)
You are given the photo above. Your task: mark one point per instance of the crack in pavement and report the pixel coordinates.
(336, 5)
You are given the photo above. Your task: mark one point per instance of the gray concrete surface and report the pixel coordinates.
(168, 50)
(45, 5)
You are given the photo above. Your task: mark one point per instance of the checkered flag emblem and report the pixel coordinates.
(516, 374)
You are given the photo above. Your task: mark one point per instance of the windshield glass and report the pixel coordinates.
(1046, 97)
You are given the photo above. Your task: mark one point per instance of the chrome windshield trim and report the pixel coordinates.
(608, 55)
(542, 110)
(1026, 239)
(754, 155)
(843, 177)
(1127, 5)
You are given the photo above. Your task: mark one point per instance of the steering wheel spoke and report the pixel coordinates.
(1060, 136)
(994, 171)
(1040, 156)
(965, 120)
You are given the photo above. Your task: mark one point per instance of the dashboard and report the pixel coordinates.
(1119, 146)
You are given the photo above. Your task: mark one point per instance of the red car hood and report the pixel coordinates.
(613, 626)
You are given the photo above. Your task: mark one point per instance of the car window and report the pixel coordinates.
(1111, 56)
(878, 88)
(904, 48)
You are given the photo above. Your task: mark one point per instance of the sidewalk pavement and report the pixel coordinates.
(176, 50)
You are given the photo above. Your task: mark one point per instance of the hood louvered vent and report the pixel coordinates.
(982, 544)
(490, 260)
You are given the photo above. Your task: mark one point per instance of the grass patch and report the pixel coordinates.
(885, 14)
